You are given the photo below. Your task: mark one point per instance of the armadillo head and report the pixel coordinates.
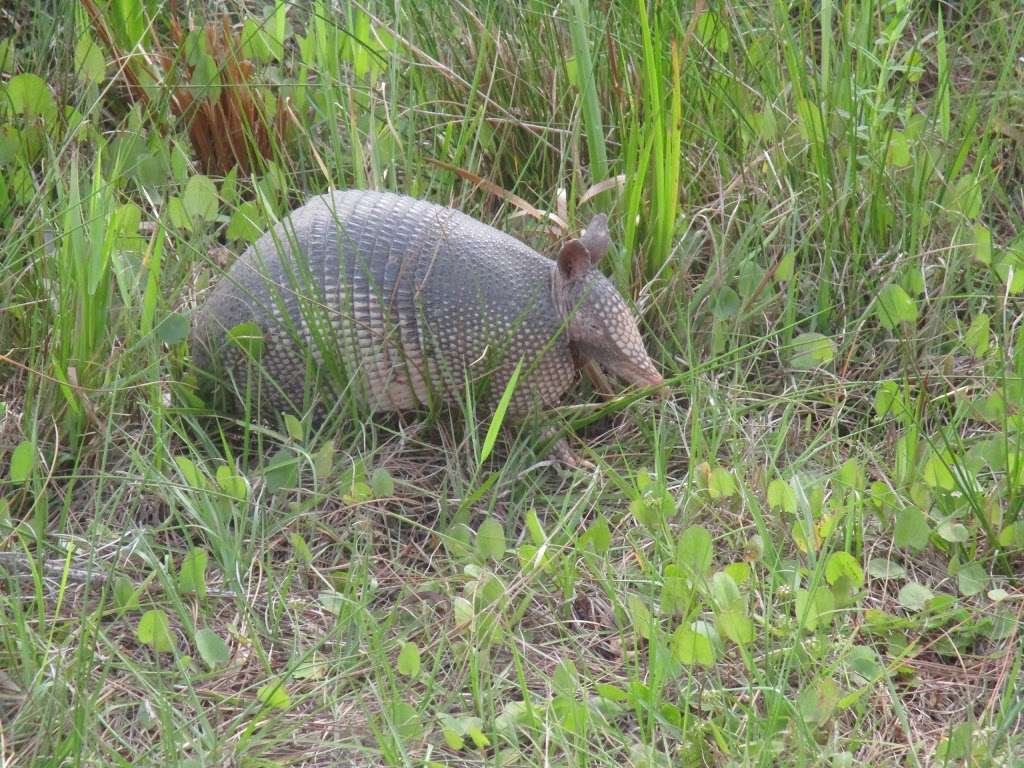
(601, 327)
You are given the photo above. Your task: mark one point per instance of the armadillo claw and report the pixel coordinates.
(561, 453)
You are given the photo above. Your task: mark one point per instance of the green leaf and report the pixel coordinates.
(282, 471)
(982, 244)
(888, 399)
(177, 214)
(382, 484)
(953, 531)
(200, 199)
(205, 78)
(736, 625)
(598, 537)
(246, 223)
(174, 328)
(881, 568)
(817, 703)
(499, 413)
(189, 473)
(813, 607)
(694, 550)
(293, 426)
(490, 539)
(712, 32)
(810, 350)
(30, 96)
(640, 617)
(843, 564)
(976, 339)
(782, 496)
(725, 593)
(694, 644)
(300, 547)
(192, 576)
(154, 630)
(248, 337)
(912, 529)
(937, 474)
(126, 597)
(23, 459)
(274, 695)
(726, 303)
(785, 268)
(409, 660)
(898, 153)
(89, 61)
(894, 306)
(914, 596)
(971, 579)
(212, 649)
(721, 484)
(232, 484)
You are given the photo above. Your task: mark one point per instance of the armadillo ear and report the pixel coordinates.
(573, 260)
(595, 238)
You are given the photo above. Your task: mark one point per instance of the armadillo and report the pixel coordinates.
(416, 301)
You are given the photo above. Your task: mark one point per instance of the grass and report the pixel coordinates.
(808, 554)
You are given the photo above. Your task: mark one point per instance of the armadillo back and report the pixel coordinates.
(401, 299)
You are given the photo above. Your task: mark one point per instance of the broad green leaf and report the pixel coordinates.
(843, 564)
(89, 61)
(912, 529)
(126, 597)
(154, 630)
(490, 539)
(192, 576)
(30, 96)
(914, 596)
(781, 496)
(895, 306)
(382, 483)
(694, 644)
(22, 461)
(274, 695)
(726, 303)
(736, 625)
(972, 579)
(409, 660)
(721, 484)
(694, 550)
(246, 223)
(200, 198)
(725, 593)
(174, 328)
(880, 568)
(212, 649)
(300, 547)
(784, 270)
(953, 531)
(206, 81)
(898, 153)
(976, 338)
(937, 474)
(190, 473)
(817, 703)
(598, 537)
(282, 471)
(248, 337)
(712, 32)
(640, 617)
(232, 484)
(293, 426)
(810, 350)
(982, 244)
